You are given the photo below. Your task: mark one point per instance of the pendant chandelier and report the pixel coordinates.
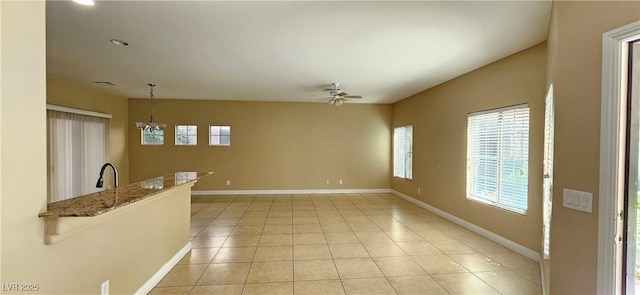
(151, 125)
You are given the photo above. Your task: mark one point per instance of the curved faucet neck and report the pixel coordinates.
(115, 173)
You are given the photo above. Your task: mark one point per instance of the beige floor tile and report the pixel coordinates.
(202, 214)
(364, 227)
(309, 238)
(384, 250)
(279, 220)
(279, 288)
(438, 264)
(276, 240)
(225, 222)
(245, 220)
(216, 230)
(398, 266)
(217, 289)
(418, 248)
(405, 241)
(370, 212)
(309, 252)
(277, 229)
(368, 286)
(301, 218)
(341, 237)
(182, 275)
(307, 228)
(356, 218)
(237, 254)
(247, 230)
(463, 283)
(357, 268)
(207, 242)
(354, 250)
(225, 274)
(373, 237)
(264, 272)
(182, 290)
(280, 213)
(305, 207)
(403, 236)
(273, 253)
(338, 227)
(477, 262)
(509, 282)
(532, 275)
(412, 285)
(452, 247)
(195, 230)
(201, 222)
(513, 260)
(241, 241)
(328, 287)
(485, 245)
(201, 255)
(312, 270)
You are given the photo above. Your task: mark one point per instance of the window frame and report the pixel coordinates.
(188, 135)
(499, 160)
(219, 136)
(408, 154)
(142, 137)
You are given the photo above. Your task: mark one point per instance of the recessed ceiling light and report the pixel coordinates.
(84, 2)
(119, 42)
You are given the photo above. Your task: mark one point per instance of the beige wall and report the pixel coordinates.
(577, 81)
(74, 95)
(80, 263)
(274, 145)
(439, 118)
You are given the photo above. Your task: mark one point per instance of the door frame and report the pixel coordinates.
(612, 140)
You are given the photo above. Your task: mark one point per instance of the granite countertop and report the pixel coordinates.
(107, 200)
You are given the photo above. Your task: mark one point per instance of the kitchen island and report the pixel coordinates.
(130, 235)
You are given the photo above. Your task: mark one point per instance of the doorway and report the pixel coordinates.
(631, 238)
(617, 224)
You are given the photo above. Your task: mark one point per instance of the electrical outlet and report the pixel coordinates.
(105, 288)
(340, 181)
(419, 191)
(327, 181)
(228, 182)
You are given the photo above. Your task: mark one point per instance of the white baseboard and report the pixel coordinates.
(164, 270)
(290, 192)
(531, 254)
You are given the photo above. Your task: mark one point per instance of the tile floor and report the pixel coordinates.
(339, 244)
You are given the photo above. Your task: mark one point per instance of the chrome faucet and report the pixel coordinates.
(115, 175)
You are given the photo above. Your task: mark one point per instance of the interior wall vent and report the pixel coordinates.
(105, 83)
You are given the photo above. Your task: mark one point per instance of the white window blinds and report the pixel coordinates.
(403, 151)
(547, 167)
(77, 149)
(498, 157)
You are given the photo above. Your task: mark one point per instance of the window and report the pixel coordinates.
(152, 137)
(547, 164)
(78, 146)
(219, 135)
(403, 151)
(498, 157)
(186, 135)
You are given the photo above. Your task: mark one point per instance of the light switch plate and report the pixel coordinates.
(577, 200)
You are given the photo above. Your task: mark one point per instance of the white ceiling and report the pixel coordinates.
(284, 51)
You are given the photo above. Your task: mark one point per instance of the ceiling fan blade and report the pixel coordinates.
(352, 96)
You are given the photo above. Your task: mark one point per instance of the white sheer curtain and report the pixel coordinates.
(78, 146)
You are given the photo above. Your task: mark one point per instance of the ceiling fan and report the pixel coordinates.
(336, 96)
